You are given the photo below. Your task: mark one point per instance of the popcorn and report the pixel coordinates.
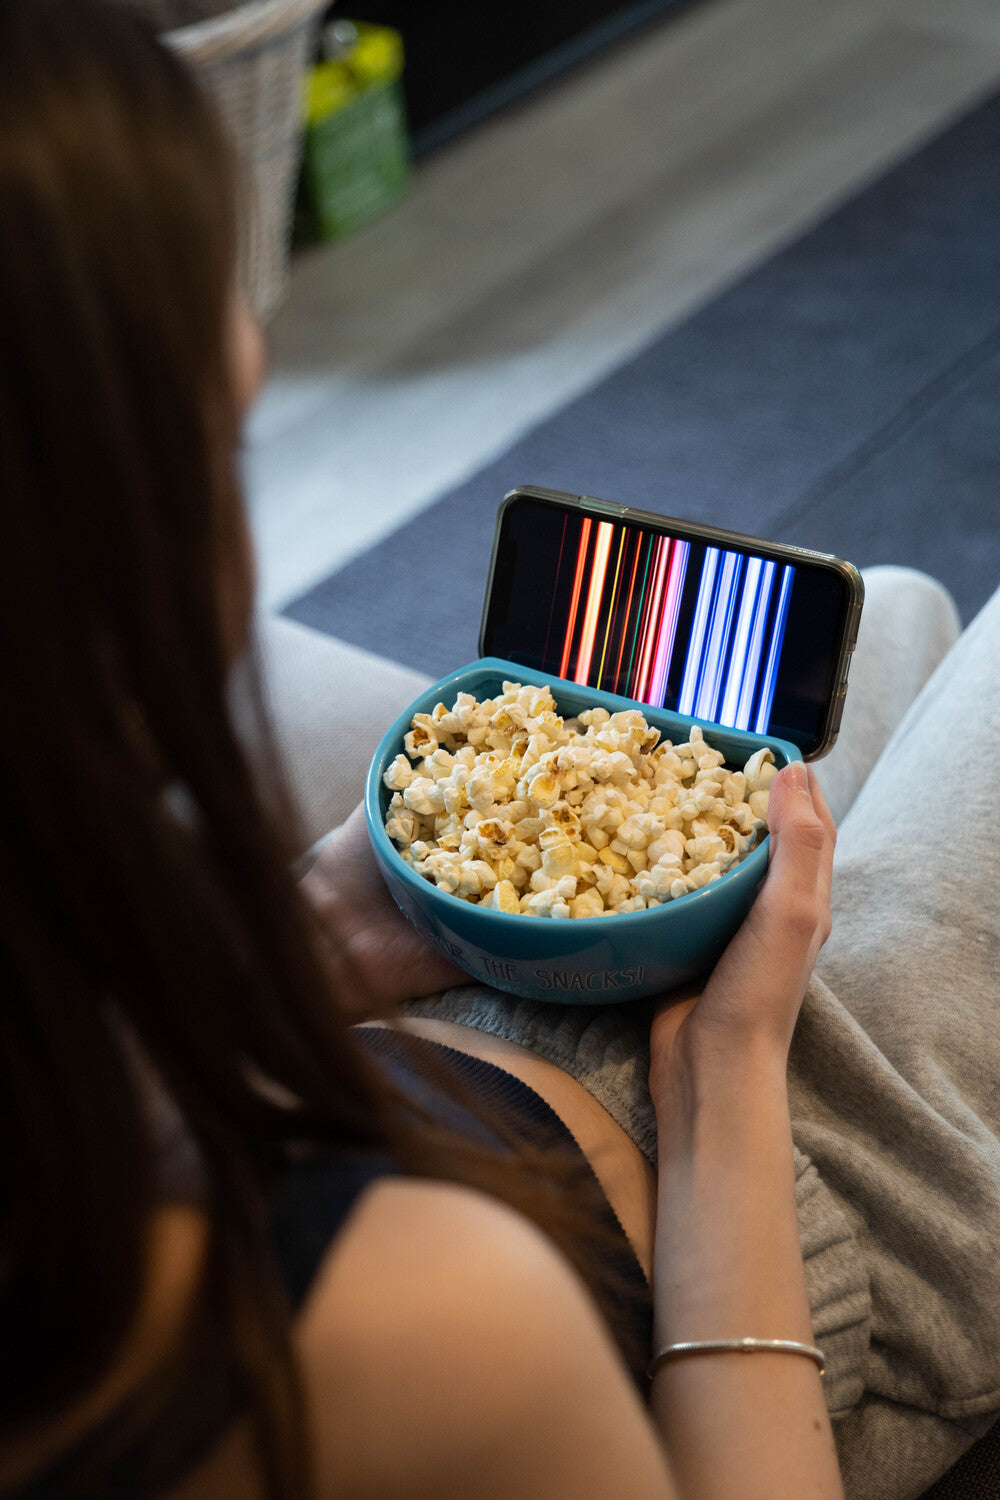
(589, 903)
(760, 770)
(399, 775)
(604, 878)
(419, 741)
(477, 875)
(706, 849)
(670, 842)
(638, 831)
(503, 897)
(456, 798)
(545, 904)
(504, 803)
(655, 883)
(479, 791)
(488, 839)
(424, 795)
(614, 861)
(401, 823)
(632, 903)
(758, 802)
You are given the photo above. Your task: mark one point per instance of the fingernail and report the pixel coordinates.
(796, 776)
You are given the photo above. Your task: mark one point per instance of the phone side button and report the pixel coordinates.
(840, 698)
(603, 507)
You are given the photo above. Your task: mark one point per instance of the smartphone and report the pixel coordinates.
(700, 621)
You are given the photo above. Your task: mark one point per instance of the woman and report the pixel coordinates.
(181, 1097)
(245, 1248)
(175, 1068)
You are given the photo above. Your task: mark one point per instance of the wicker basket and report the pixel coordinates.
(168, 15)
(251, 58)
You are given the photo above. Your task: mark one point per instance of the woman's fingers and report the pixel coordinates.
(826, 865)
(755, 990)
(819, 802)
(799, 841)
(796, 893)
(776, 946)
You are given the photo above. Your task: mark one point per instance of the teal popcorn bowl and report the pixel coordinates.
(581, 960)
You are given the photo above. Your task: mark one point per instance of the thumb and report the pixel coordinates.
(797, 884)
(797, 831)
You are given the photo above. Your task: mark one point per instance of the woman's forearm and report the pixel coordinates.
(727, 1264)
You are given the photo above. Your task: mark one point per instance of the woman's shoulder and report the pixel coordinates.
(446, 1319)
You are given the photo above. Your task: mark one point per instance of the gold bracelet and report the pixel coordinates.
(739, 1346)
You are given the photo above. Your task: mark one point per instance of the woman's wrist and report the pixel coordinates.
(719, 1082)
(727, 1256)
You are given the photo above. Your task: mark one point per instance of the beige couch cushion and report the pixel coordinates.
(331, 703)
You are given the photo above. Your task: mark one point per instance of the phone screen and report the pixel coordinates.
(723, 634)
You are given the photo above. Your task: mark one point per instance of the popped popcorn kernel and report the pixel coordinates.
(506, 804)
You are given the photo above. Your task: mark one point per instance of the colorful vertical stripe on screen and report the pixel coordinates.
(646, 547)
(748, 683)
(699, 630)
(611, 608)
(722, 676)
(706, 702)
(742, 627)
(629, 591)
(774, 651)
(623, 627)
(668, 622)
(595, 593)
(658, 571)
(581, 565)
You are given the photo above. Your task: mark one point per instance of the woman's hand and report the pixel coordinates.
(749, 1007)
(376, 957)
(727, 1258)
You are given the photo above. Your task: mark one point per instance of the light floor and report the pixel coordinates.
(539, 251)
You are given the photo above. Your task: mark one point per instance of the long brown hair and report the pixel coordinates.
(120, 519)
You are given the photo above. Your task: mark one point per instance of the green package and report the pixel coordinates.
(356, 150)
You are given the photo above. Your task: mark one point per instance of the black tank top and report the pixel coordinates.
(314, 1198)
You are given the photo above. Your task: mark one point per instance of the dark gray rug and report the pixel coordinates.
(845, 396)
